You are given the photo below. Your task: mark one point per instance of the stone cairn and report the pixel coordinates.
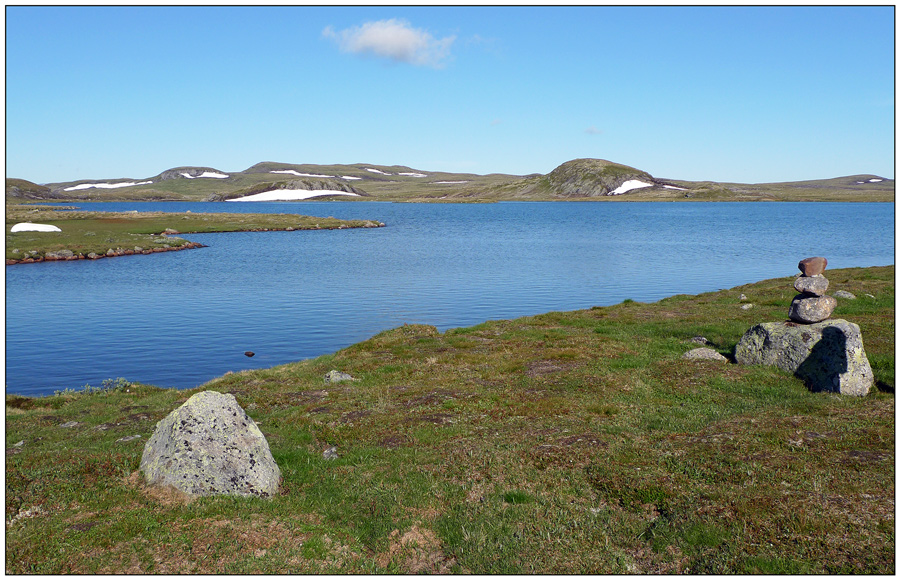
(811, 305)
(827, 354)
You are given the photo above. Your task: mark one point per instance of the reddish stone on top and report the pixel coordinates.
(812, 266)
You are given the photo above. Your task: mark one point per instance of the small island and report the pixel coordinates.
(90, 235)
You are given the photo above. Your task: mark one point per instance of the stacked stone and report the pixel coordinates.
(811, 305)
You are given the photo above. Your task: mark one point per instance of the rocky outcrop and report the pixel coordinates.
(828, 356)
(184, 172)
(20, 188)
(591, 178)
(209, 446)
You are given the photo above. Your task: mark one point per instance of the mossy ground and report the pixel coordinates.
(570, 442)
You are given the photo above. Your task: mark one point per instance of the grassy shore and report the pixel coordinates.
(569, 442)
(115, 233)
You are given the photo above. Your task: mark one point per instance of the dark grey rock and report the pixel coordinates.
(209, 446)
(808, 309)
(828, 356)
(815, 285)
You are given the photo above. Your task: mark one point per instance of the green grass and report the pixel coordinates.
(84, 233)
(569, 442)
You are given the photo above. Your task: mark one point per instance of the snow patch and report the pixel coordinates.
(673, 187)
(290, 195)
(629, 185)
(30, 227)
(298, 174)
(206, 174)
(875, 180)
(376, 171)
(413, 174)
(449, 182)
(349, 177)
(106, 185)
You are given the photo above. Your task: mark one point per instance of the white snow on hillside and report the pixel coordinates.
(30, 227)
(629, 185)
(290, 195)
(673, 187)
(206, 174)
(376, 171)
(106, 185)
(349, 177)
(413, 174)
(298, 174)
(875, 180)
(449, 182)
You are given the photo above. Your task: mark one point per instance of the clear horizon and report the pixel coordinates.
(731, 94)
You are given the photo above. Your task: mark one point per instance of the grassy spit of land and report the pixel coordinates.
(100, 234)
(569, 442)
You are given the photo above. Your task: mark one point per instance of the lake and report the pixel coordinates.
(179, 319)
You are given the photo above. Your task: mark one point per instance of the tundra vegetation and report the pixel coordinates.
(568, 442)
(85, 232)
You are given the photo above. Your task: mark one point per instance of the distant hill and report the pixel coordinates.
(578, 179)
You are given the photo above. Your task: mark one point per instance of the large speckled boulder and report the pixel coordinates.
(829, 356)
(209, 446)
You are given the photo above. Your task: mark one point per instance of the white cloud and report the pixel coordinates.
(593, 131)
(393, 39)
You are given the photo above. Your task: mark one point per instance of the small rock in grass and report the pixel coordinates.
(746, 306)
(337, 376)
(743, 297)
(703, 354)
(70, 424)
(127, 439)
(845, 295)
(700, 340)
(330, 453)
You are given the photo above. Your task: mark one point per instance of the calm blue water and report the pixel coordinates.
(179, 319)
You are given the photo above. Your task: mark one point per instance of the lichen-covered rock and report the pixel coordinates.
(828, 356)
(703, 354)
(815, 285)
(209, 446)
(809, 309)
(334, 376)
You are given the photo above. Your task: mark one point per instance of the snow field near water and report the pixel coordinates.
(30, 227)
(290, 195)
(673, 187)
(629, 185)
(206, 174)
(106, 185)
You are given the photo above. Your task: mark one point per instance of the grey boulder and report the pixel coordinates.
(809, 309)
(815, 285)
(209, 446)
(828, 356)
(845, 295)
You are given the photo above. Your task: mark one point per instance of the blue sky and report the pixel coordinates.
(744, 94)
